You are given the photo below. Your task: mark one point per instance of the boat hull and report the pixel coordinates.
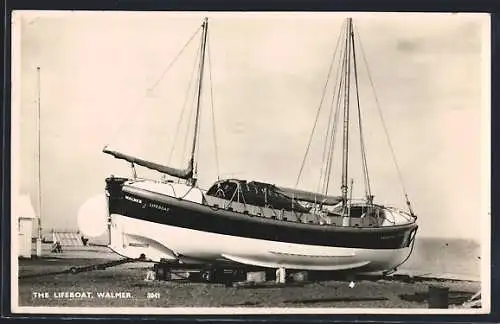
(133, 237)
(173, 222)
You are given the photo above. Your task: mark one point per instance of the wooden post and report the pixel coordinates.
(438, 297)
(281, 275)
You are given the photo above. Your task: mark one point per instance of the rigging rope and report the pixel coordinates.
(191, 83)
(148, 91)
(191, 117)
(318, 111)
(329, 157)
(173, 61)
(330, 129)
(332, 145)
(384, 125)
(366, 177)
(212, 108)
(326, 149)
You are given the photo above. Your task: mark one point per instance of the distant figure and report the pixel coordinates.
(56, 247)
(84, 240)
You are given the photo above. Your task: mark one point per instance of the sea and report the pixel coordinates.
(461, 257)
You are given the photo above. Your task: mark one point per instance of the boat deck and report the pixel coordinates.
(356, 220)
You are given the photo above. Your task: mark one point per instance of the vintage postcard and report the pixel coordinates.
(250, 163)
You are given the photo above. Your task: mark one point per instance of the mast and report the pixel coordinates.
(345, 145)
(200, 85)
(39, 169)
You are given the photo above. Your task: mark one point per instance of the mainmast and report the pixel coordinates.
(200, 85)
(345, 145)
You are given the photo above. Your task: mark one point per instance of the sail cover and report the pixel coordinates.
(309, 196)
(178, 173)
(263, 194)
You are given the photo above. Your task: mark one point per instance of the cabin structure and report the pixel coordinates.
(25, 218)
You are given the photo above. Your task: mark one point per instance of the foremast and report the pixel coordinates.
(203, 46)
(189, 173)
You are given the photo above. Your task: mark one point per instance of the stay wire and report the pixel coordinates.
(191, 117)
(330, 129)
(366, 177)
(174, 60)
(332, 145)
(149, 90)
(334, 130)
(319, 110)
(183, 108)
(212, 106)
(383, 122)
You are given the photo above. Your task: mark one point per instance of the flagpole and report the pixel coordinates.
(39, 175)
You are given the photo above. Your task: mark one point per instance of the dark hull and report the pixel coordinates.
(162, 209)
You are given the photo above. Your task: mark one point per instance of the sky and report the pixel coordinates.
(102, 83)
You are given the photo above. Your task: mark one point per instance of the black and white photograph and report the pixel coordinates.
(170, 162)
